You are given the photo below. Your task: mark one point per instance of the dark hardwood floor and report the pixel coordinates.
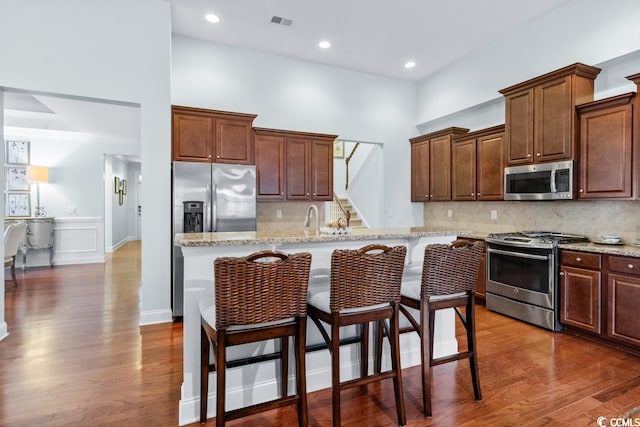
(76, 356)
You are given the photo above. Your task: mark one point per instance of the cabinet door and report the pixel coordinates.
(234, 142)
(192, 137)
(622, 309)
(554, 118)
(580, 298)
(420, 171)
(322, 170)
(269, 156)
(605, 153)
(463, 164)
(440, 168)
(490, 158)
(297, 163)
(519, 127)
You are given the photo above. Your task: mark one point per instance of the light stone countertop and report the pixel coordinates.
(622, 250)
(305, 236)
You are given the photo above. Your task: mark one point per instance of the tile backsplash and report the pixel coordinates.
(292, 215)
(593, 218)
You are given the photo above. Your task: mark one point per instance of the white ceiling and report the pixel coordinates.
(372, 36)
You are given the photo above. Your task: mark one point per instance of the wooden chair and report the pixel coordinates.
(13, 235)
(364, 287)
(448, 280)
(258, 297)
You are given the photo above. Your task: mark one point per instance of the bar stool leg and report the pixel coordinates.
(301, 382)
(284, 366)
(364, 350)
(204, 374)
(426, 351)
(471, 343)
(335, 372)
(220, 379)
(395, 365)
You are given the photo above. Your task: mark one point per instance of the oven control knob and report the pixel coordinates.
(515, 291)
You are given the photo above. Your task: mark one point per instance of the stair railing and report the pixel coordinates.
(339, 212)
(346, 161)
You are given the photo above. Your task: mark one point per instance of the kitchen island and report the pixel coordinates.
(257, 382)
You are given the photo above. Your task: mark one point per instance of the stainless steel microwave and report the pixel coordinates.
(542, 181)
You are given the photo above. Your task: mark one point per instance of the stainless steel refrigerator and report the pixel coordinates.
(209, 197)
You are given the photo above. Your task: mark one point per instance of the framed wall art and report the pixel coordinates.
(17, 178)
(18, 204)
(338, 149)
(17, 152)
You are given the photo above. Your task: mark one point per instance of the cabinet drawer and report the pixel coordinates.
(624, 265)
(581, 259)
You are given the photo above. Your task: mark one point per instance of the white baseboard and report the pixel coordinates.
(3, 330)
(152, 317)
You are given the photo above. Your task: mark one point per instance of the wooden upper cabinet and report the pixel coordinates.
(201, 135)
(192, 137)
(297, 164)
(478, 165)
(322, 170)
(541, 123)
(294, 165)
(420, 171)
(606, 169)
(269, 166)
(431, 165)
(463, 178)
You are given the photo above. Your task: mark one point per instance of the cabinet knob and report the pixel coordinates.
(630, 266)
(581, 190)
(217, 157)
(528, 155)
(578, 259)
(315, 194)
(538, 154)
(307, 194)
(562, 273)
(209, 156)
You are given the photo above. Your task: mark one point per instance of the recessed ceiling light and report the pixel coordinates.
(409, 64)
(212, 18)
(324, 45)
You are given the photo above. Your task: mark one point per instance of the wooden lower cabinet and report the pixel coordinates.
(623, 289)
(580, 298)
(600, 294)
(581, 291)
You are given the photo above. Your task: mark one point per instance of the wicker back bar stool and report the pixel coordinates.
(364, 287)
(258, 297)
(448, 280)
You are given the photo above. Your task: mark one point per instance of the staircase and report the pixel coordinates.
(355, 221)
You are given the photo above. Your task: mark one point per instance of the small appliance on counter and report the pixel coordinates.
(208, 197)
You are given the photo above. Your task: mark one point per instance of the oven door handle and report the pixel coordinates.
(517, 254)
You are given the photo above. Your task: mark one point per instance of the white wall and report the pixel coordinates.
(587, 31)
(304, 96)
(107, 50)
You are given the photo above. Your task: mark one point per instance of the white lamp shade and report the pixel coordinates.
(37, 173)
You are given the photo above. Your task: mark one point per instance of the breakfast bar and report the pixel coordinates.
(248, 384)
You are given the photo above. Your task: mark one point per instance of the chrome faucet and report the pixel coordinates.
(312, 210)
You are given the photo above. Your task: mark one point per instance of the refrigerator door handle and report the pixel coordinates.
(207, 209)
(214, 208)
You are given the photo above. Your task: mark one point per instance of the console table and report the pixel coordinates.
(39, 236)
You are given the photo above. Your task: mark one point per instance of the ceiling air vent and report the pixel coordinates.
(280, 20)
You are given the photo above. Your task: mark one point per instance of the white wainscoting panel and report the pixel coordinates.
(78, 240)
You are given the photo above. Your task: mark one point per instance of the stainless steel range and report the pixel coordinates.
(522, 275)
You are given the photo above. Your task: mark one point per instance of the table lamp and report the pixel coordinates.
(38, 174)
